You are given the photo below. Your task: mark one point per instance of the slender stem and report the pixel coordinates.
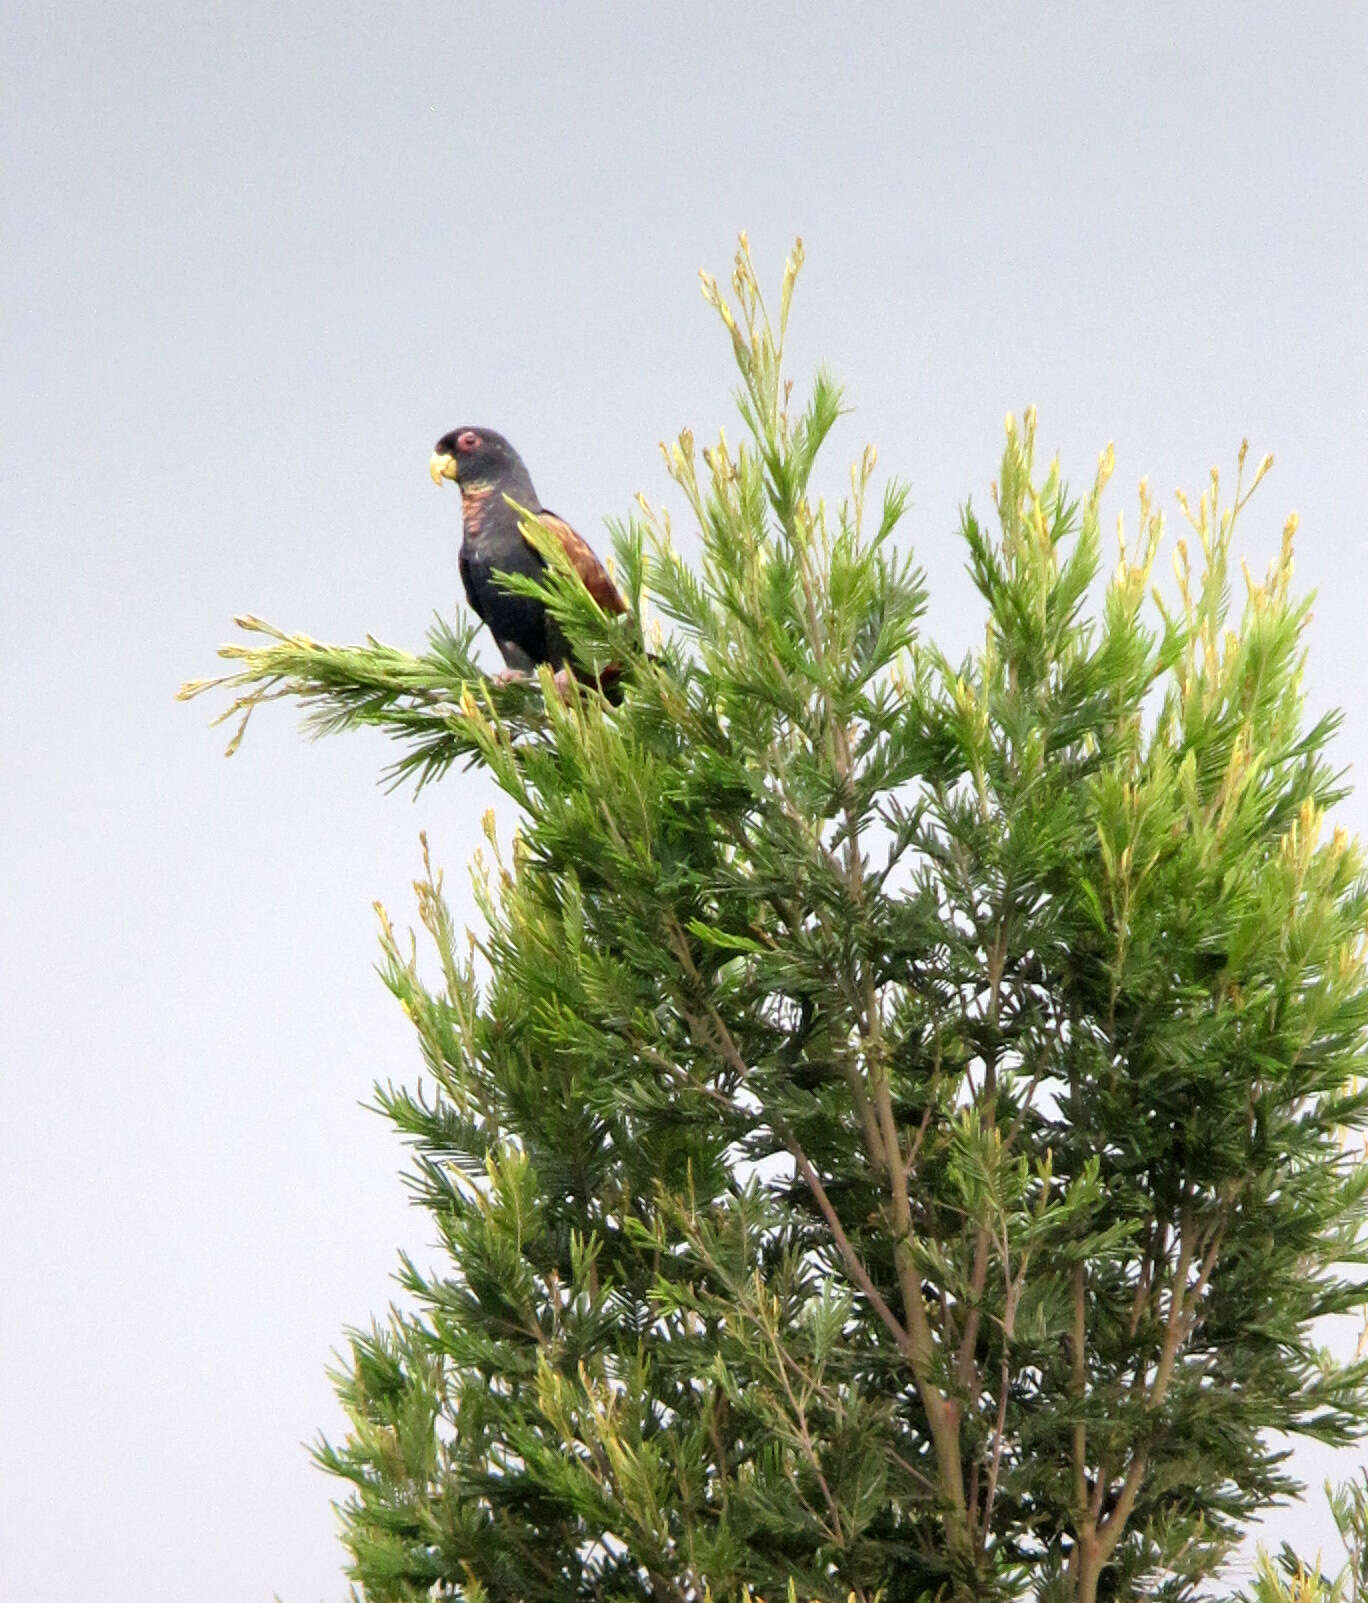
(1182, 1316)
(836, 1530)
(1014, 1284)
(858, 1273)
(965, 1367)
(1078, 1388)
(715, 1032)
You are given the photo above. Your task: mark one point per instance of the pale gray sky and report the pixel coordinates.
(257, 257)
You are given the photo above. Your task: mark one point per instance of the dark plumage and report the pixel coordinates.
(490, 474)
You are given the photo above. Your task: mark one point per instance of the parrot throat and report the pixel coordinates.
(475, 503)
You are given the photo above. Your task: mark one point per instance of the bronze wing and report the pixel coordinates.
(593, 575)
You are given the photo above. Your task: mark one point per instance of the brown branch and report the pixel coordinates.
(965, 1368)
(1011, 1299)
(1109, 1531)
(941, 1412)
(1173, 1325)
(858, 1273)
(1078, 1387)
(913, 1471)
(1014, 1129)
(999, 1440)
(722, 1042)
(1182, 1316)
(880, 1159)
(785, 1361)
(1143, 1278)
(925, 1122)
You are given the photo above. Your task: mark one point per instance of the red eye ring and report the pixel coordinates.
(467, 440)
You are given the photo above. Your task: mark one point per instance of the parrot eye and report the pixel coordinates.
(467, 440)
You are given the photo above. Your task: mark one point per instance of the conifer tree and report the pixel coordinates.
(888, 1135)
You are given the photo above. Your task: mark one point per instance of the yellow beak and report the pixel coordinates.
(441, 466)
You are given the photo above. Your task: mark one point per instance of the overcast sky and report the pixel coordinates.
(256, 258)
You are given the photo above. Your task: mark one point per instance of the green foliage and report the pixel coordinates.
(1294, 1580)
(888, 1136)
